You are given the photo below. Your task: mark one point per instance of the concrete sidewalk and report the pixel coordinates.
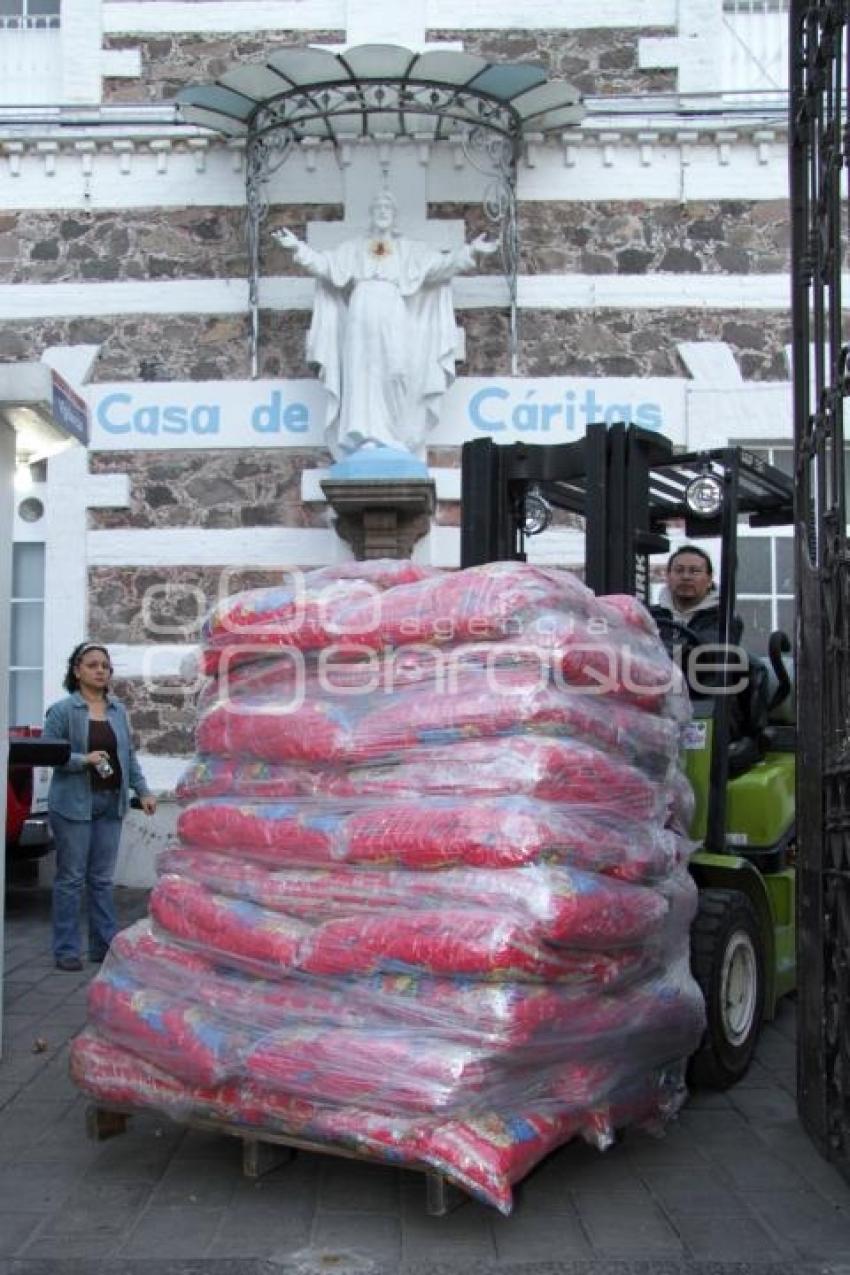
(734, 1187)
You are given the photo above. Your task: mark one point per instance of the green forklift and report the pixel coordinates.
(627, 488)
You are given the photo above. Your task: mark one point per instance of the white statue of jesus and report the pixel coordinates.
(383, 330)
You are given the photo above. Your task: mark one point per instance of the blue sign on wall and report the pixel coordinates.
(69, 410)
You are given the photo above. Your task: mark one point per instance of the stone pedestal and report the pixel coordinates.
(381, 517)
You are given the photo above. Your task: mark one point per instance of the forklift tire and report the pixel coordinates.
(727, 960)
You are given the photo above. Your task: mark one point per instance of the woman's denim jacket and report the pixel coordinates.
(70, 788)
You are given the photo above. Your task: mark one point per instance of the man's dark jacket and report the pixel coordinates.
(704, 623)
(747, 715)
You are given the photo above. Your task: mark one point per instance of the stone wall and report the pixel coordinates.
(39, 246)
(621, 342)
(603, 342)
(219, 488)
(609, 237)
(143, 605)
(174, 347)
(649, 236)
(170, 62)
(623, 237)
(162, 714)
(643, 342)
(640, 236)
(596, 61)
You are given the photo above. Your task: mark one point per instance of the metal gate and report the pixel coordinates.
(820, 149)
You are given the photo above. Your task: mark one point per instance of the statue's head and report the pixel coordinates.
(383, 212)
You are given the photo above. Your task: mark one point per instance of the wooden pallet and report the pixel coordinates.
(264, 1150)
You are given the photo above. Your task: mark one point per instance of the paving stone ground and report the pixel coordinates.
(735, 1187)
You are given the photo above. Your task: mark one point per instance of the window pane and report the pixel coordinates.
(28, 571)
(757, 624)
(25, 699)
(783, 458)
(27, 630)
(785, 617)
(784, 564)
(9, 8)
(754, 565)
(43, 7)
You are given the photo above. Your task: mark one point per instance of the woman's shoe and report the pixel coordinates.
(71, 964)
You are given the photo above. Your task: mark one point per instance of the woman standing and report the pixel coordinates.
(87, 801)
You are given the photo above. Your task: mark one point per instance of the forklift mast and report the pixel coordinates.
(625, 485)
(819, 129)
(603, 477)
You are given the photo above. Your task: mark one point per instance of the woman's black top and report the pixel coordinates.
(102, 738)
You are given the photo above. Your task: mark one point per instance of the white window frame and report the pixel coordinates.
(26, 21)
(768, 449)
(15, 601)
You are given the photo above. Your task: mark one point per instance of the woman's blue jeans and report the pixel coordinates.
(86, 853)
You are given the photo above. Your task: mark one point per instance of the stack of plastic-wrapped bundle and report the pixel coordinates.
(429, 899)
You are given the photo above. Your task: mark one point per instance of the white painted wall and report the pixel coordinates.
(652, 159)
(81, 52)
(534, 292)
(29, 61)
(7, 474)
(210, 16)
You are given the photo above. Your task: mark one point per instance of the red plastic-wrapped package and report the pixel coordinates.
(309, 609)
(484, 1153)
(572, 908)
(173, 1033)
(328, 729)
(497, 832)
(425, 903)
(255, 938)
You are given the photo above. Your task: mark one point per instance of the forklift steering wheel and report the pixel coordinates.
(681, 641)
(674, 633)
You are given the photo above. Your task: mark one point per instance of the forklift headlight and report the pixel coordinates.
(704, 496)
(537, 513)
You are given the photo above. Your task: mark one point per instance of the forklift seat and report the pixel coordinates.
(781, 730)
(748, 719)
(763, 714)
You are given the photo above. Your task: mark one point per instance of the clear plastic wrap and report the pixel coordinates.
(570, 907)
(484, 1153)
(378, 608)
(556, 770)
(429, 898)
(485, 832)
(628, 667)
(537, 1016)
(329, 727)
(477, 942)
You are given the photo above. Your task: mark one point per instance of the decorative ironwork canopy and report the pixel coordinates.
(387, 92)
(380, 88)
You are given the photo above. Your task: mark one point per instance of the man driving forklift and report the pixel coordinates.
(690, 596)
(688, 618)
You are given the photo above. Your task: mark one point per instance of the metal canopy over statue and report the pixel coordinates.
(389, 94)
(383, 331)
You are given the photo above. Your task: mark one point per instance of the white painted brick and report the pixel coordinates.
(121, 64)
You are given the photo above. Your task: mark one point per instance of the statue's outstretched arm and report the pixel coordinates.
(444, 265)
(286, 239)
(315, 263)
(483, 247)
